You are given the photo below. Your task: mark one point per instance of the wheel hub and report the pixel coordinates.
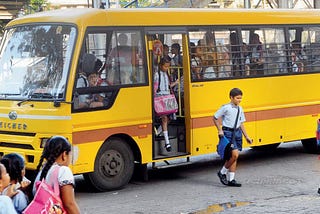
(113, 163)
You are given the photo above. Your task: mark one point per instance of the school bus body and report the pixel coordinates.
(279, 108)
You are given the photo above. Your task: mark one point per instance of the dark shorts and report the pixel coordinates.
(237, 144)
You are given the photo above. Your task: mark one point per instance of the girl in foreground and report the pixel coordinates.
(57, 153)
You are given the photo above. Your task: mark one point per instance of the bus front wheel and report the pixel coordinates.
(113, 167)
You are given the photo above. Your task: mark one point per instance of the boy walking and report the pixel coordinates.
(232, 124)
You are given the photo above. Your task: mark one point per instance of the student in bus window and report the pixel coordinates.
(124, 59)
(297, 48)
(176, 52)
(273, 59)
(94, 100)
(209, 72)
(297, 57)
(245, 58)
(163, 86)
(88, 77)
(207, 59)
(224, 62)
(166, 50)
(256, 55)
(196, 61)
(235, 53)
(209, 49)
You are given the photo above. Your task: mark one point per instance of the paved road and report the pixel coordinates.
(282, 181)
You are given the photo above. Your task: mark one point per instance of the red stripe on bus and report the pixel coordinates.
(140, 130)
(312, 110)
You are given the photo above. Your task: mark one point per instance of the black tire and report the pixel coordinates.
(113, 167)
(311, 145)
(269, 147)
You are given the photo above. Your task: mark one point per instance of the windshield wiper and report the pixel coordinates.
(23, 101)
(36, 96)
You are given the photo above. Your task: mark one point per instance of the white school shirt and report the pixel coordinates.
(65, 177)
(164, 83)
(228, 113)
(6, 205)
(82, 82)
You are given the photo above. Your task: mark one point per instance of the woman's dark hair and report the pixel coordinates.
(235, 92)
(54, 147)
(164, 60)
(14, 164)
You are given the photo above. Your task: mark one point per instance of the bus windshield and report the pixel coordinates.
(34, 61)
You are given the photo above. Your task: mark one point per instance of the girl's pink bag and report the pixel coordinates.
(46, 200)
(165, 104)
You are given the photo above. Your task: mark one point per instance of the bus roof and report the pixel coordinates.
(170, 16)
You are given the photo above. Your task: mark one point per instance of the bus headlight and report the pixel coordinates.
(43, 142)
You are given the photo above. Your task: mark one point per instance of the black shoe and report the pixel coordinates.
(168, 147)
(223, 178)
(233, 183)
(318, 190)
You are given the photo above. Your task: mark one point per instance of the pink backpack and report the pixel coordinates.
(46, 200)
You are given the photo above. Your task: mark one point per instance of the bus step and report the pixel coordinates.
(168, 164)
(161, 137)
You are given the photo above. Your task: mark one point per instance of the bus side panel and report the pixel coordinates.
(129, 116)
(277, 109)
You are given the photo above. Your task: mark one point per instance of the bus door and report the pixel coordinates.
(173, 44)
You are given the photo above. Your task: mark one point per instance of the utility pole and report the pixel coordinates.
(285, 4)
(102, 4)
(96, 3)
(247, 4)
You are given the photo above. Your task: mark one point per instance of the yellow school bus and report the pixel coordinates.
(46, 60)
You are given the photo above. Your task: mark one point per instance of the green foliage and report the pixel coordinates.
(37, 5)
(142, 3)
(2, 26)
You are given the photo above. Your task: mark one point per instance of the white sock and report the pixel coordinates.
(166, 137)
(224, 170)
(231, 176)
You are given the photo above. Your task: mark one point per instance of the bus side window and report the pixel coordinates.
(224, 64)
(310, 44)
(125, 58)
(274, 54)
(91, 89)
(256, 52)
(238, 55)
(298, 58)
(209, 56)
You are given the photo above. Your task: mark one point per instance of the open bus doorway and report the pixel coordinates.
(171, 45)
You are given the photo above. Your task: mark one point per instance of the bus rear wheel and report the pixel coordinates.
(113, 167)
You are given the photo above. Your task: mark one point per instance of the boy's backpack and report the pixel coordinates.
(47, 199)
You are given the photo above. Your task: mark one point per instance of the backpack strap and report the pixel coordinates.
(235, 126)
(55, 174)
(84, 80)
(158, 90)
